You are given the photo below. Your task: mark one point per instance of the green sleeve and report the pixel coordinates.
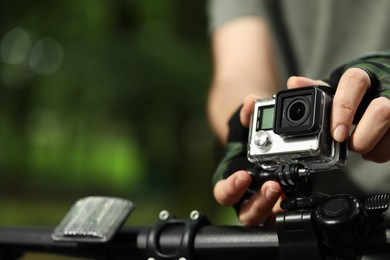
(377, 66)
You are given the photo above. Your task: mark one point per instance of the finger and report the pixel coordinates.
(258, 208)
(380, 153)
(229, 191)
(350, 91)
(271, 219)
(247, 109)
(298, 82)
(371, 128)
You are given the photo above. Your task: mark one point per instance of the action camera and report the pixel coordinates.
(293, 127)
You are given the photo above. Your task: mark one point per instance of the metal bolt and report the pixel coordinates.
(303, 172)
(182, 258)
(151, 258)
(194, 215)
(164, 215)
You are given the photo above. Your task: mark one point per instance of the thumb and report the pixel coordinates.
(298, 82)
(229, 191)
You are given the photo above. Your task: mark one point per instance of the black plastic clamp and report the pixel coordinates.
(180, 249)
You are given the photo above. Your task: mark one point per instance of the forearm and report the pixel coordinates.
(225, 98)
(244, 64)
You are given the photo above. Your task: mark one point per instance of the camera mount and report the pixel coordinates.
(339, 222)
(292, 178)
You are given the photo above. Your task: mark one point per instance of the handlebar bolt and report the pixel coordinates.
(182, 258)
(151, 258)
(164, 215)
(194, 215)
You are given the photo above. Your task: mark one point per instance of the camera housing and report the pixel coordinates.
(293, 127)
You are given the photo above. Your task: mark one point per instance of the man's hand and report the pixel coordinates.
(260, 208)
(263, 206)
(371, 136)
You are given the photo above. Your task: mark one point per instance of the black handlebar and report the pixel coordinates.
(209, 241)
(338, 226)
(218, 242)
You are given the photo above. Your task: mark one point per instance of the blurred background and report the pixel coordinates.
(105, 98)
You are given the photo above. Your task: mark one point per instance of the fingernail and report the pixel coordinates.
(240, 183)
(247, 98)
(271, 194)
(340, 133)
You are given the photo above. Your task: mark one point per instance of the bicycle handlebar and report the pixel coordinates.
(226, 242)
(217, 242)
(338, 226)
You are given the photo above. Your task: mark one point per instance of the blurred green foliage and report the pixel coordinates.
(104, 98)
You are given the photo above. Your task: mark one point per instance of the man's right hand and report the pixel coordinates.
(260, 208)
(264, 205)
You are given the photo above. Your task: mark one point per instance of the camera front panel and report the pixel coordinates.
(265, 146)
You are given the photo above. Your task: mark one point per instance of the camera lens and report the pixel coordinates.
(297, 111)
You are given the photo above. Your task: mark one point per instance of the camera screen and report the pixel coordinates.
(265, 118)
